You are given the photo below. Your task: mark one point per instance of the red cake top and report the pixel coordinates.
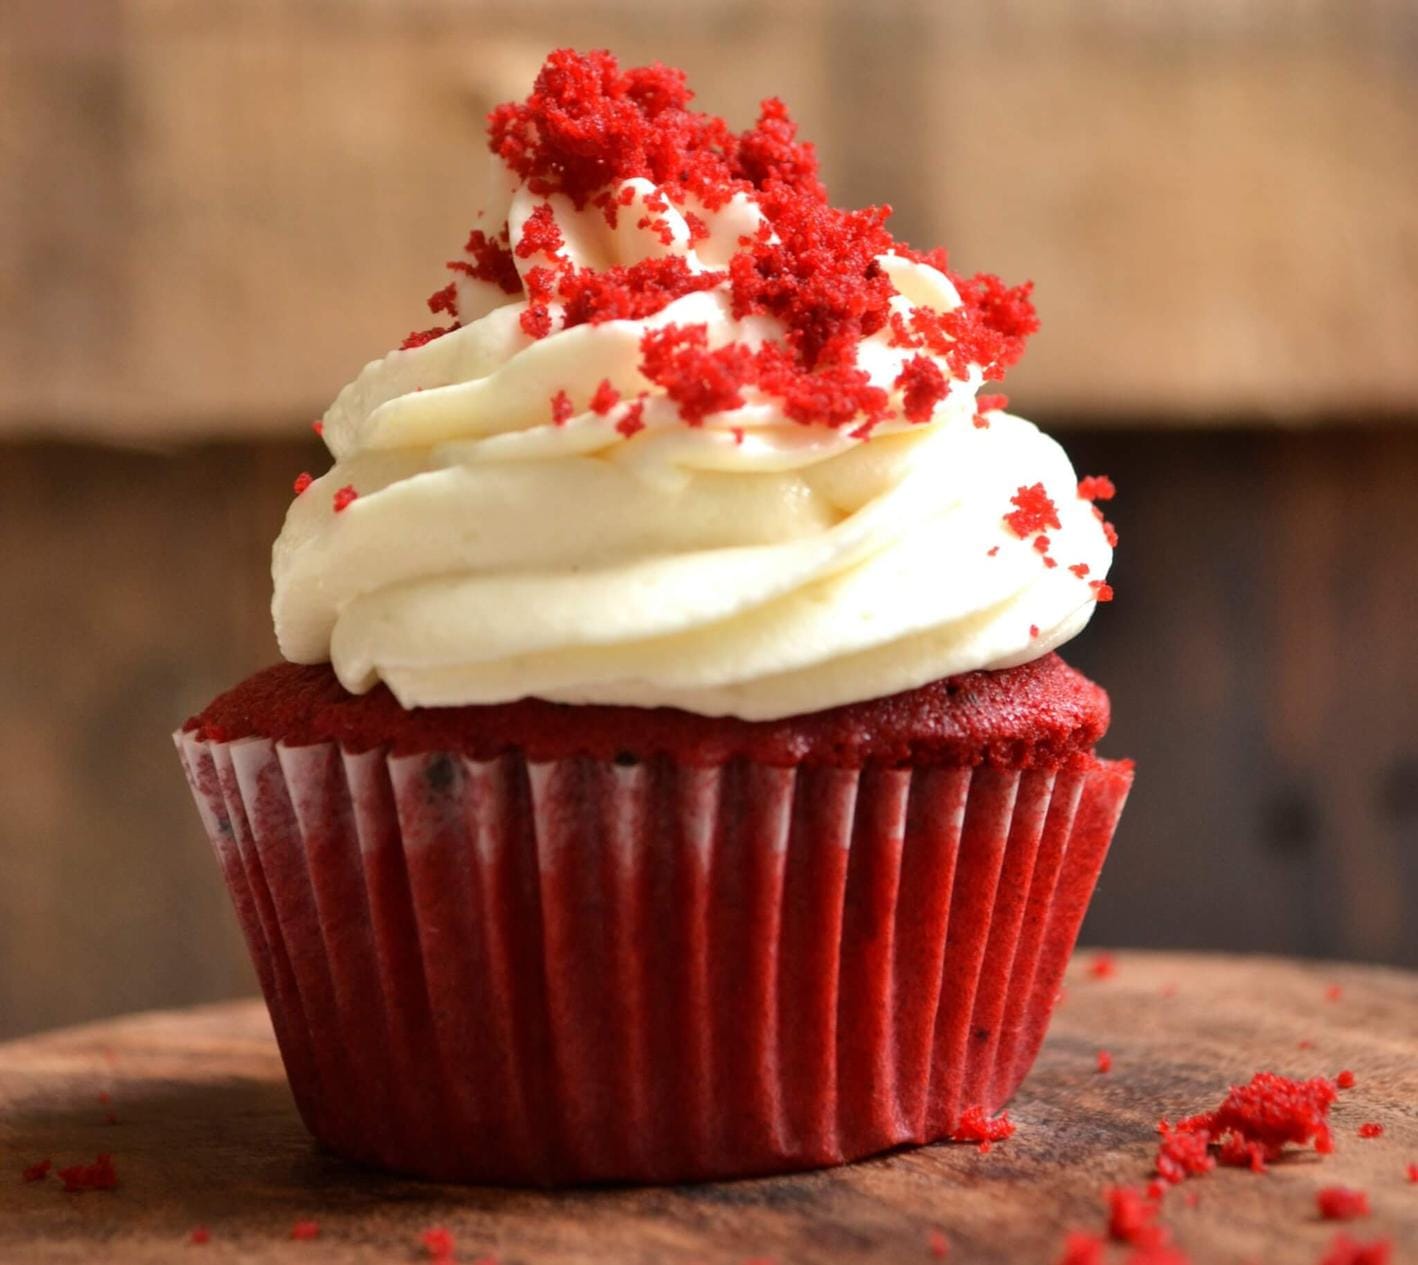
(1041, 714)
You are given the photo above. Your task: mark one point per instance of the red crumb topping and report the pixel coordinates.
(1105, 1061)
(1345, 1079)
(606, 397)
(1041, 544)
(1080, 1248)
(990, 404)
(200, 1234)
(1033, 631)
(540, 234)
(1371, 1129)
(1096, 487)
(1346, 1251)
(1102, 590)
(37, 1171)
(1304, 1044)
(620, 293)
(100, 1175)
(975, 1126)
(939, 1245)
(1340, 1203)
(561, 409)
(699, 380)
(1182, 1155)
(634, 420)
(1034, 511)
(437, 1241)
(1103, 966)
(589, 125)
(318, 427)
(1131, 1216)
(1412, 1171)
(304, 1231)
(1255, 1122)
(1333, 993)
(1080, 569)
(345, 497)
(421, 336)
(302, 481)
(923, 386)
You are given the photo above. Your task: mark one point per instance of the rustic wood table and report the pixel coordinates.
(193, 1107)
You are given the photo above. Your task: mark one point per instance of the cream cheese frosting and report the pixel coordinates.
(509, 533)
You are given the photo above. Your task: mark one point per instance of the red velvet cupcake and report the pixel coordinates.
(672, 778)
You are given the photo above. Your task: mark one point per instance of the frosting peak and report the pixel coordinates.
(692, 437)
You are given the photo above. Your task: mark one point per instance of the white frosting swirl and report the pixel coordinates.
(750, 566)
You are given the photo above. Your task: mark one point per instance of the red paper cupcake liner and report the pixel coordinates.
(578, 970)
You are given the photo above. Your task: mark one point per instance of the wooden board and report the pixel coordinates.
(206, 1134)
(213, 214)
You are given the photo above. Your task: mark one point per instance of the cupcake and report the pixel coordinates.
(672, 776)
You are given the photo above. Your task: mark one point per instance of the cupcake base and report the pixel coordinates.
(595, 969)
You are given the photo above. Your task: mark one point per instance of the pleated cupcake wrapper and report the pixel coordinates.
(577, 970)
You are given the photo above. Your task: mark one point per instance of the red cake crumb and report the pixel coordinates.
(437, 1241)
(939, 1245)
(420, 337)
(344, 498)
(1334, 992)
(992, 551)
(606, 397)
(37, 1171)
(1103, 966)
(1340, 1203)
(1033, 631)
(923, 386)
(1345, 1079)
(200, 1234)
(1080, 569)
(975, 1126)
(990, 404)
(302, 481)
(492, 261)
(318, 426)
(1182, 1155)
(1034, 511)
(634, 420)
(304, 1231)
(699, 380)
(1096, 487)
(1371, 1129)
(561, 408)
(621, 293)
(1304, 1044)
(100, 1175)
(1346, 1251)
(1412, 1172)
(1156, 1189)
(540, 234)
(1105, 1061)
(1256, 1121)
(1102, 590)
(1042, 544)
(1131, 1216)
(1080, 1248)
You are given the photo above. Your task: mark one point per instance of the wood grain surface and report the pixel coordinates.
(205, 1134)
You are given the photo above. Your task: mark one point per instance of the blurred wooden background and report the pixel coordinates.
(213, 211)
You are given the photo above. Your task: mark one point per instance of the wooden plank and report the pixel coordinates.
(213, 215)
(206, 1135)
